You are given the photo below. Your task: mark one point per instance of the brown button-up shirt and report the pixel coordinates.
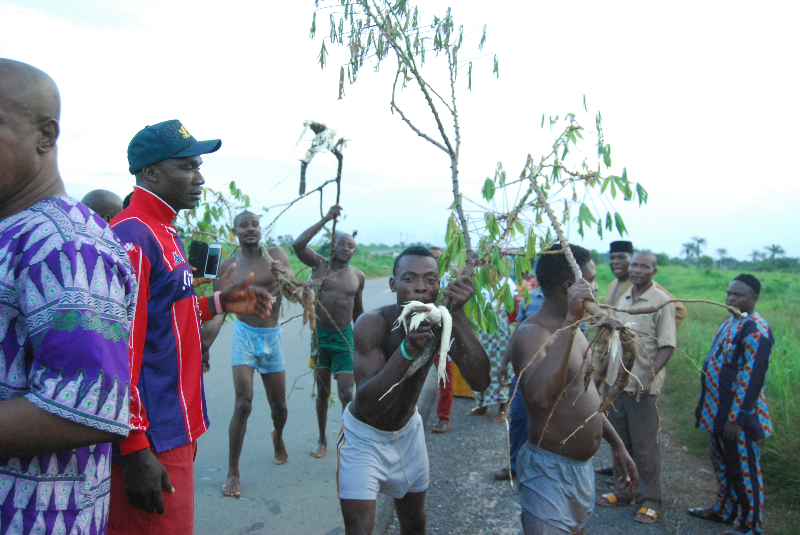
(617, 289)
(654, 331)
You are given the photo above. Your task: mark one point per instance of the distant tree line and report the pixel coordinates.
(770, 258)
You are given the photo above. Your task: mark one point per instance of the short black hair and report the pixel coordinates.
(415, 250)
(751, 281)
(241, 215)
(552, 270)
(127, 200)
(650, 256)
(340, 235)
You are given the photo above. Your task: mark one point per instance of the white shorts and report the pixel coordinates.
(372, 461)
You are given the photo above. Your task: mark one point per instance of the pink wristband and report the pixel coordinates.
(217, 304)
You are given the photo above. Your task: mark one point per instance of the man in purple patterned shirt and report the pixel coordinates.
(66, 302)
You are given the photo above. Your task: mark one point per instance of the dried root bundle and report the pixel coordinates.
(609, 327)
(612, 335)
(627, 339)
(295, 291)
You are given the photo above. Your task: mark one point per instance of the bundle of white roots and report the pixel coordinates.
(437, 316)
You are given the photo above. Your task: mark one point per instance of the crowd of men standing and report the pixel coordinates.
(102, 337)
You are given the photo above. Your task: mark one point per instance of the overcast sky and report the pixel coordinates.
(699, 101)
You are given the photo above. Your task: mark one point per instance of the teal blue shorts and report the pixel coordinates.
(257, 347)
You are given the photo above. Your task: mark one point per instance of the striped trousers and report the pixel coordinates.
(741, 489)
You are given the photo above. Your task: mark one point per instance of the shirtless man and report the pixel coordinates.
(256, 346)
(338, 304)
(551, 342)
(381, 442)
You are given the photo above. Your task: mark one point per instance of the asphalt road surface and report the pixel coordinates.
(296, 498)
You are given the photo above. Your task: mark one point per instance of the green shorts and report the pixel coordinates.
(332, 349)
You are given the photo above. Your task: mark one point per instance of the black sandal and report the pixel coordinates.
(707, 513)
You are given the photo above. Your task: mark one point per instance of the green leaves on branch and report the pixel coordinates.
(370, 30)
(511, 237)
(323, 54)
(212, 220)
(491, 184)
(488, 189)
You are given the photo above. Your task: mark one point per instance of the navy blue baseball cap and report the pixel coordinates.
(169, 139)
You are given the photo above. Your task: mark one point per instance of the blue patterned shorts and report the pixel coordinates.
(257, 347)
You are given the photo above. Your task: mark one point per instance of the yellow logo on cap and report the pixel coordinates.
(185, 133)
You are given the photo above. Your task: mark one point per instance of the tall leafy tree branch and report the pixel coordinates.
(373, 30)
(377, 28)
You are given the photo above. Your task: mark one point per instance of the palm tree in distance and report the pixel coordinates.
(699, 245)
(721, 253)
(688, 250)
(756, 255)
(774, 250)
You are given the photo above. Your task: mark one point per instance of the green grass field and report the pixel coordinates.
(779, 304)
(365, 259)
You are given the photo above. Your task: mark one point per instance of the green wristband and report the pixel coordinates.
(403, 351)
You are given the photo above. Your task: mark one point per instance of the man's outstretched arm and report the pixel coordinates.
(282, 262)
(300, 245)
(467, 351)
(358, 305)
(630, 476)
(29, 430)
(375, 374)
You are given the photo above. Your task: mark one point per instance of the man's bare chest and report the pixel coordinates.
(263, 276)
(343, 282)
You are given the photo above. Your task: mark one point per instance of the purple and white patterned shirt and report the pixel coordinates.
(67, 298)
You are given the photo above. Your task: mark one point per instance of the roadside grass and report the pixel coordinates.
(779, 304)
(372, 264)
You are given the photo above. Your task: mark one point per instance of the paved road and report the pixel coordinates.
(296, 498)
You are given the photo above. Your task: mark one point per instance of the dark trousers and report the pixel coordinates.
(637, 426)
(741, 489)
(518, 423)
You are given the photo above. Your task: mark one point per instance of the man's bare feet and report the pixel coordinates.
(502, 413)
(320, 450)
(281, 455)
(231, 487)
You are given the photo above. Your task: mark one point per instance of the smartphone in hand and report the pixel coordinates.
(212, 261)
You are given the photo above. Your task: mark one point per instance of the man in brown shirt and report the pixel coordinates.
(634, 413)
(619, 260)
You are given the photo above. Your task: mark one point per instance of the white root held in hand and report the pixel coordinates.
(437, 316)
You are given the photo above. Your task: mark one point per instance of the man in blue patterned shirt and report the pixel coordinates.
(732, 408)
(67, 298)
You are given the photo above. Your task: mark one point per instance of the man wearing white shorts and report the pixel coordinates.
(372, 461)
(381, 443)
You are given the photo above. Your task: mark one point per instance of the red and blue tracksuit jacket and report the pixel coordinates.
(168, 407)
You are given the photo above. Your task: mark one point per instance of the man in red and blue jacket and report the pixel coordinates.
(167, 406)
